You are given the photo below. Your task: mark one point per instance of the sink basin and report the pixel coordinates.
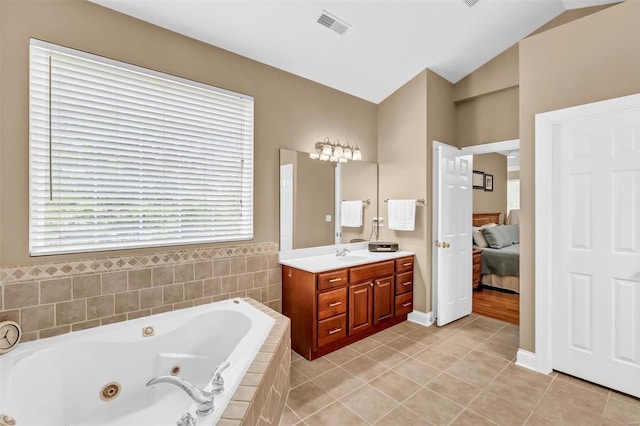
(351, 258)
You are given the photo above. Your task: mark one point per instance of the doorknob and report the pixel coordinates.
(446, 245)
(438, 244)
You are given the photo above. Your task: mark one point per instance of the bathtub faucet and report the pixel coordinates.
(217, 382)
(202, 398)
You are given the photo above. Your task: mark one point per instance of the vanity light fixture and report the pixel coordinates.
(335, 152)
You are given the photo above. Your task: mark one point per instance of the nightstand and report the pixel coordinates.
(477, 269)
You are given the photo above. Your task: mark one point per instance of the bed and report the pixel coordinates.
(500, 265)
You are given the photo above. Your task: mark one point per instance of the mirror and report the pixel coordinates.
(311, 195)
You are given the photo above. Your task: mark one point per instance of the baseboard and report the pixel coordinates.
(420, 318)
(526, 359)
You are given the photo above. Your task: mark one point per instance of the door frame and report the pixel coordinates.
(486, 148)
(542, 360)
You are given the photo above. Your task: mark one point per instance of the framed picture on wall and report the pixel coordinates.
(488, 182)
(478, 179)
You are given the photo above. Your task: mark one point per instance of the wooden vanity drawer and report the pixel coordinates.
(404, 283)
(404, 303)
(477, 276)
(367, 272)
(332, 279)
(332, 329)
(477, 267)
(404, 264)
(332, 303)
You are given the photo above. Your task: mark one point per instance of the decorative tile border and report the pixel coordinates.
(57, 298)
(10, 274)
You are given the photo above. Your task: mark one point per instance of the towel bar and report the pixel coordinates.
(419, 200)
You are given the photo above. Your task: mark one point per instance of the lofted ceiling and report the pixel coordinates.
(386, 44)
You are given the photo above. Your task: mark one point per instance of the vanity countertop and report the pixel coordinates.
(329, 262)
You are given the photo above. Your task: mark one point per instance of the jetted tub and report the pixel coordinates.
(67, 380)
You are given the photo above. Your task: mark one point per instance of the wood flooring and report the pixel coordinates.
(497, 304)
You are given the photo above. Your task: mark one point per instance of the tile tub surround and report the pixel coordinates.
(56, 298)
(261, 396)
(459, 374)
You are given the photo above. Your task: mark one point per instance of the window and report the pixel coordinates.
(513, 194)
(123, 157)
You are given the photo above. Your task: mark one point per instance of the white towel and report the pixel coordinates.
(402, 214)
(351, 214)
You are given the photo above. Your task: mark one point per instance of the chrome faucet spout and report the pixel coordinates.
(203, 399)
(342, 252)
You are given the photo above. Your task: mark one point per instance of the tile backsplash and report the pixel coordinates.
(56, 298)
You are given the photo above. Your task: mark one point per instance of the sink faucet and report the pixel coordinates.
(202, 398)
(342, 252)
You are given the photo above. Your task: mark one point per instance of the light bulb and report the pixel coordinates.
(347, 153)
(357, 155)
(327, 149)
(324, 157)
(338, 151)
(342, 160)
(314, 155)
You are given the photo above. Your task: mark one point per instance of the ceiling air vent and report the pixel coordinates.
(470, 3)
(334, 23)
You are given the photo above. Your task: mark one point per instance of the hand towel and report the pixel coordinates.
(351, 214)
(402, 215)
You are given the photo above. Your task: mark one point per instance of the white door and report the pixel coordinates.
(595, 289)
(286, 207)
(452, 239)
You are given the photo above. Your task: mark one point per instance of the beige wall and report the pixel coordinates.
(492, 117)
(587, 60)
(408, 122)
(441, 127)
(496, 200)
(498, 74)
(487, 102)
(314, 199)
(402, 157)
(290, 112)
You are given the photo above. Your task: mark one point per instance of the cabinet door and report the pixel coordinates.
(360, 304)
(383, 299)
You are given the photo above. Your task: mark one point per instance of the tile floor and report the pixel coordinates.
(460, 374)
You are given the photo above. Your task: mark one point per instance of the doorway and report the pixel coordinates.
(588, 251)
(496, 282)
(459, 257)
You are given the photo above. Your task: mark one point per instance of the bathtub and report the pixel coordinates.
(71, 379)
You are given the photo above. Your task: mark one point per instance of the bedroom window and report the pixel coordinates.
(123, 157)
(513, 194)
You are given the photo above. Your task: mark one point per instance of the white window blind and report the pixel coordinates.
(124, 157)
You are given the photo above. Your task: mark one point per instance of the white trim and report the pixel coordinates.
(421, 318)
(491, 147)
(526, 359)
(544, 212)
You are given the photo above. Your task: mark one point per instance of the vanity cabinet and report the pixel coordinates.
(329, 310)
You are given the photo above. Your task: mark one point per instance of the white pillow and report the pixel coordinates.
(478, 238)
